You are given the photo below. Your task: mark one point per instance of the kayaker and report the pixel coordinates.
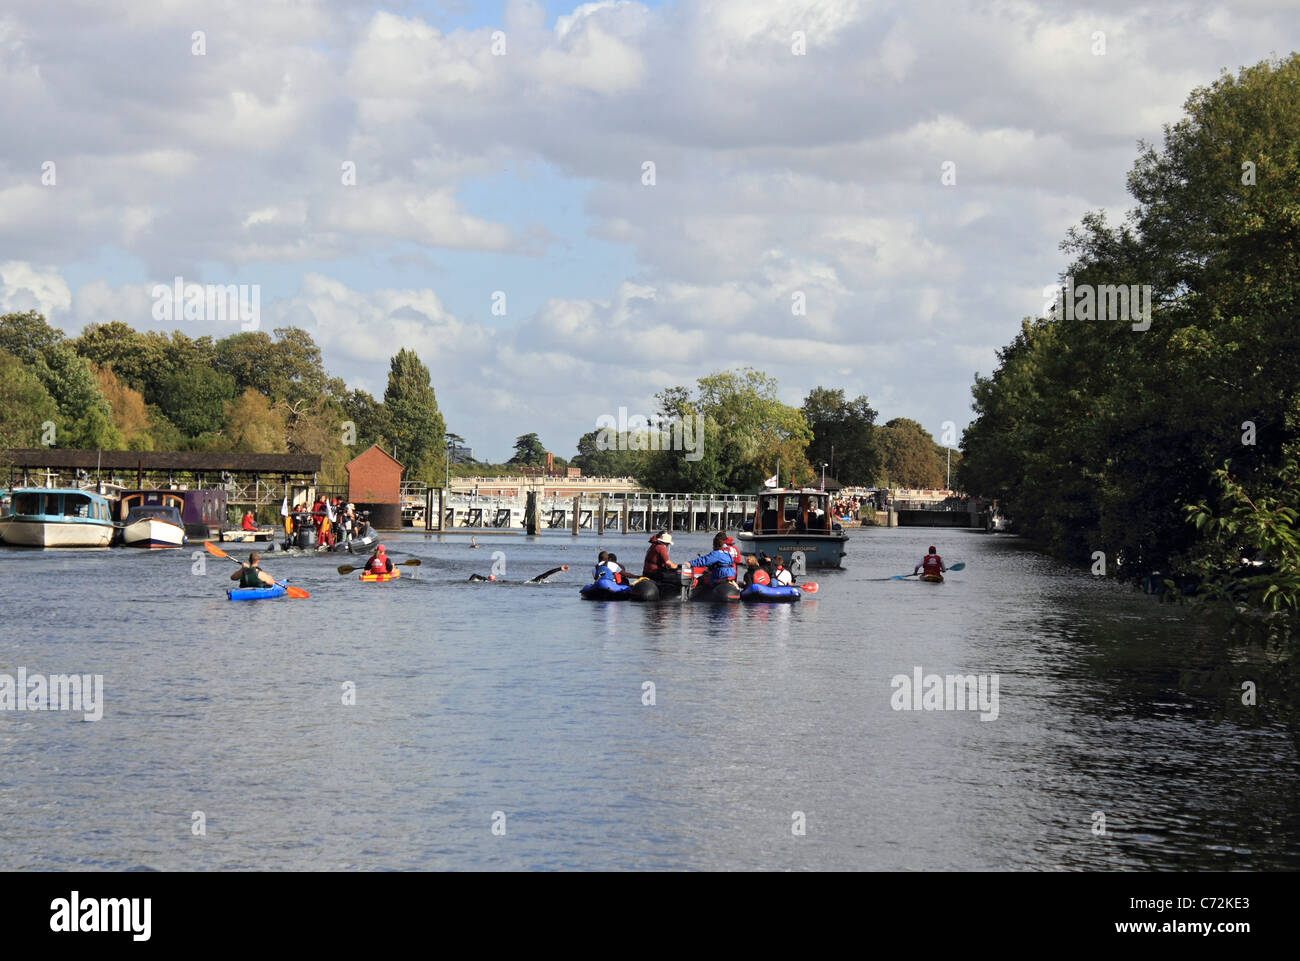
(783, 577)
(379, 562)
(657, 566)
(719, 562)
(931, 563)
(250, 575)
(248, 523)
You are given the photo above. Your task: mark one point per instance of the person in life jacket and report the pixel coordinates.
(379, 562)
(729, 545)
(721, 566)
(250, 575)
(248, 523)
(755, 574)
(602, 568)
(657, 566)
(615, 568)
(782, 577)
(931, 563)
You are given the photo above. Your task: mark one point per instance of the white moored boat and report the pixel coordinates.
(56, 517)
(153, 526)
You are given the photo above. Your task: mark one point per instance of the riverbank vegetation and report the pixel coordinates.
(116, 388)
(1169, 451)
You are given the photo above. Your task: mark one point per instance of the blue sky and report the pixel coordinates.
(777, 174)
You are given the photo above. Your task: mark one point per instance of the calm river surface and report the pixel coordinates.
(504, 697)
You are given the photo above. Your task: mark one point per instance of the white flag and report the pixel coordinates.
(284, 506)
(770, 482)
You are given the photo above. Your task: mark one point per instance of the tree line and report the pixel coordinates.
(1169, 454)
(116, 388)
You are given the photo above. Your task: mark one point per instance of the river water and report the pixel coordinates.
(522, 707)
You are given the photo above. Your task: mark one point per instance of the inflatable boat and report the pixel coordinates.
(724, 592)
(770, 594)
(606, 589)
(256, 593)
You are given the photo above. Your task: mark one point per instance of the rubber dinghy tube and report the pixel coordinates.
(724, 592)
(606, 589)
(644, 589)
(770, 594)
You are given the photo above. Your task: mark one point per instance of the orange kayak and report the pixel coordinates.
(380, 578)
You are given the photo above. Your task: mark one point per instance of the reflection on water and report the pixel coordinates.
(521, 698)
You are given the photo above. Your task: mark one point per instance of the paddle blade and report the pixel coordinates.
(901, 577)
(346, 568)
(413, 562)
(297, 592)
(212, 548)
(810, 588)
(958, 567)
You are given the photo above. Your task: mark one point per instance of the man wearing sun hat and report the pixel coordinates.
(657, 566)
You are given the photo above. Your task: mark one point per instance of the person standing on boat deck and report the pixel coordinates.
(721, 566)
(657, 566)
(248, 523)
(379, 562)
(931, 563)
(250, 575)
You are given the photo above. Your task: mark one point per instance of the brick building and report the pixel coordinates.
(375, 485)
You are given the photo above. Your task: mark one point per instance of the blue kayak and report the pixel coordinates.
(606, 589)
(256, 593)
(770, 594)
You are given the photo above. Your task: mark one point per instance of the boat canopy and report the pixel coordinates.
(793, 510)
(58, 504)
(158, 512)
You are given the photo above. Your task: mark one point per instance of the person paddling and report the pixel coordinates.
(250, 575)
(379, 562)
(931, 563)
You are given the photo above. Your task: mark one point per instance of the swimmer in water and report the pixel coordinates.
(539, 579)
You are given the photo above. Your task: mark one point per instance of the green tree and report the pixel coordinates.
(843, 436)
(25, 404)
(195, 399)
(1098, 435)
(414, 422)
(910, 455)
(27, 336)
(529, 451)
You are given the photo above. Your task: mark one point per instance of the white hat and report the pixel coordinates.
(665, 538)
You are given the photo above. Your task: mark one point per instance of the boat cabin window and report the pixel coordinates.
(28, 503)
(74, 506)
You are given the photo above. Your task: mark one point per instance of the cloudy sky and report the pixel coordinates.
(521, 170)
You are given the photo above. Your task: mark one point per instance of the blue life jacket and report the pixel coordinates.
(721, 566)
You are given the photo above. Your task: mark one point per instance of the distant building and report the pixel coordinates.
(375, 485)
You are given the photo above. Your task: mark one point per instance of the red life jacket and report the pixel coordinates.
(760, 577)
(734, 551)
(377, 565)
(932, 564)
